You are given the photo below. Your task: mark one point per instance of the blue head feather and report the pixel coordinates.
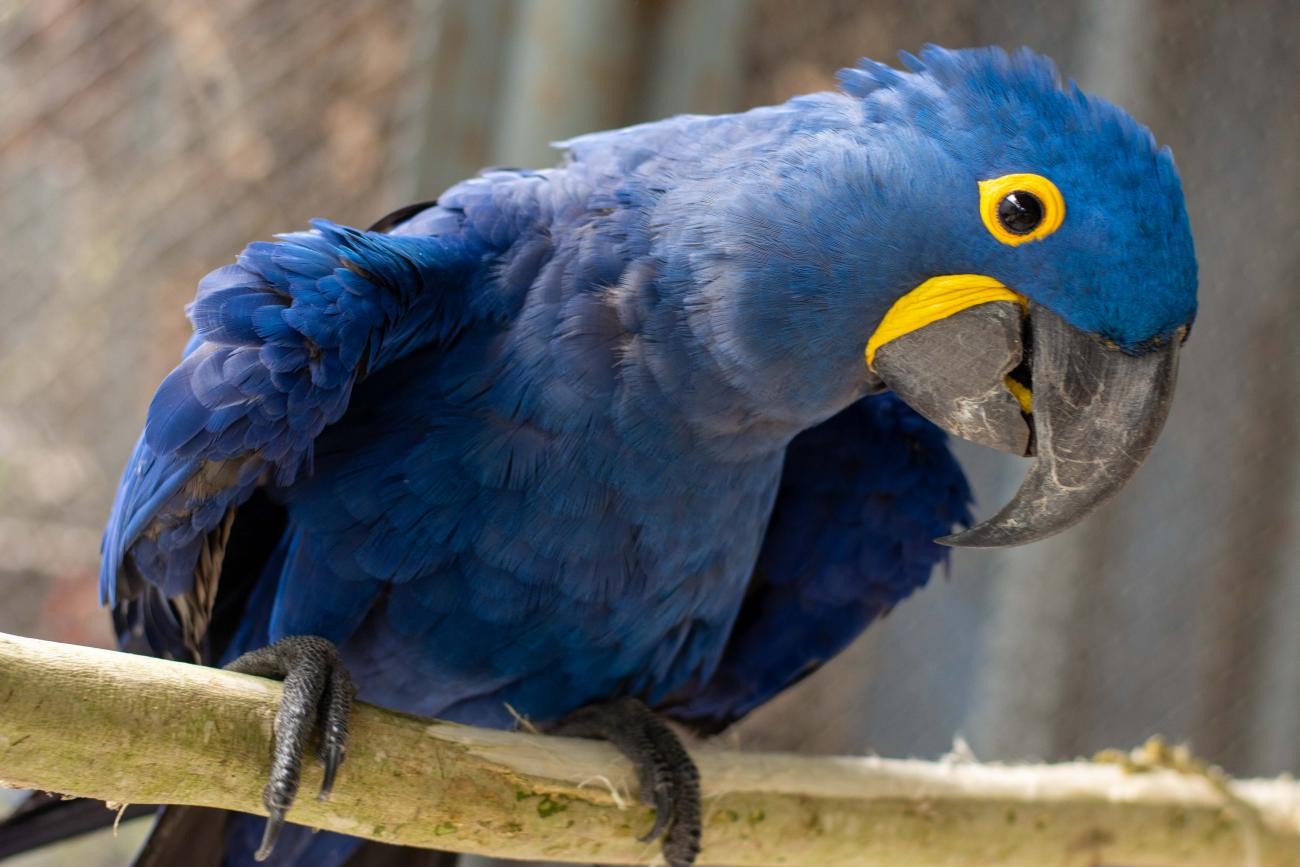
(789, 231)
(1122, 265)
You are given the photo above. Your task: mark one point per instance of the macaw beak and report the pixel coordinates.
(1013, 375)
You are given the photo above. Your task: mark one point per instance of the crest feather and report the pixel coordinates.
(867, 77)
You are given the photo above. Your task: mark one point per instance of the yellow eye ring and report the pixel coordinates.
(1048, 198)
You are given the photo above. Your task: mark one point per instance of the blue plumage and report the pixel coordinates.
(861, 497)
(605, 429)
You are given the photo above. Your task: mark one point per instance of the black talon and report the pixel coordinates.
(274, 823)
(667, 777)
(317, 693)
(331, 759)
(334, 726)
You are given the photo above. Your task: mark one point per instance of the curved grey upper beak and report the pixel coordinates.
(1097, 413)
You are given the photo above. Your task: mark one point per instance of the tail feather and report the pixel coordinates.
(300, 846)
(380, 855)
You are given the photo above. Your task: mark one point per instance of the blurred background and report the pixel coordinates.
(143, 143)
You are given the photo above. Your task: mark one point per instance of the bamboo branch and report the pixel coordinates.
(122, 728)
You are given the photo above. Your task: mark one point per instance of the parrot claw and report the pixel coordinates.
(668, 778)
(318, 692)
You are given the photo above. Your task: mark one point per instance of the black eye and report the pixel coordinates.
(1020, 212)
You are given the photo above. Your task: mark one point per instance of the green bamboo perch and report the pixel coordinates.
(122, 728)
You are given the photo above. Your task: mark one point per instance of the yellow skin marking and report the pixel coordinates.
(993, 191)
(1022, 394)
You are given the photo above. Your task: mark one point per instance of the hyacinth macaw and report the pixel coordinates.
(660, 429)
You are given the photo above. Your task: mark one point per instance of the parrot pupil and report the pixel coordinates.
(1020, 212)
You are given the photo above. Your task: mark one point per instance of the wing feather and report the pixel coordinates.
(281, 337)
(862, 497)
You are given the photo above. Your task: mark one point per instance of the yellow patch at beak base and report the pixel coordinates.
(935, 299)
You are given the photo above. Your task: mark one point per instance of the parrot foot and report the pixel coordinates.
(317, 691)
(668, 778)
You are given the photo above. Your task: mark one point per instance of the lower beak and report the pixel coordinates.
(1090, 414)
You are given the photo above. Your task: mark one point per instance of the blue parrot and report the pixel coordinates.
(656, 432)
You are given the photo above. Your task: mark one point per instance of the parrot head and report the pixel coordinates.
(1056, 289)
(1014, 254)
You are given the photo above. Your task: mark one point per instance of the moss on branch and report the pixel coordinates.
(122, 728)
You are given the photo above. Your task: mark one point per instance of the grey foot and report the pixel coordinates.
(669, 780)
(317, 693)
